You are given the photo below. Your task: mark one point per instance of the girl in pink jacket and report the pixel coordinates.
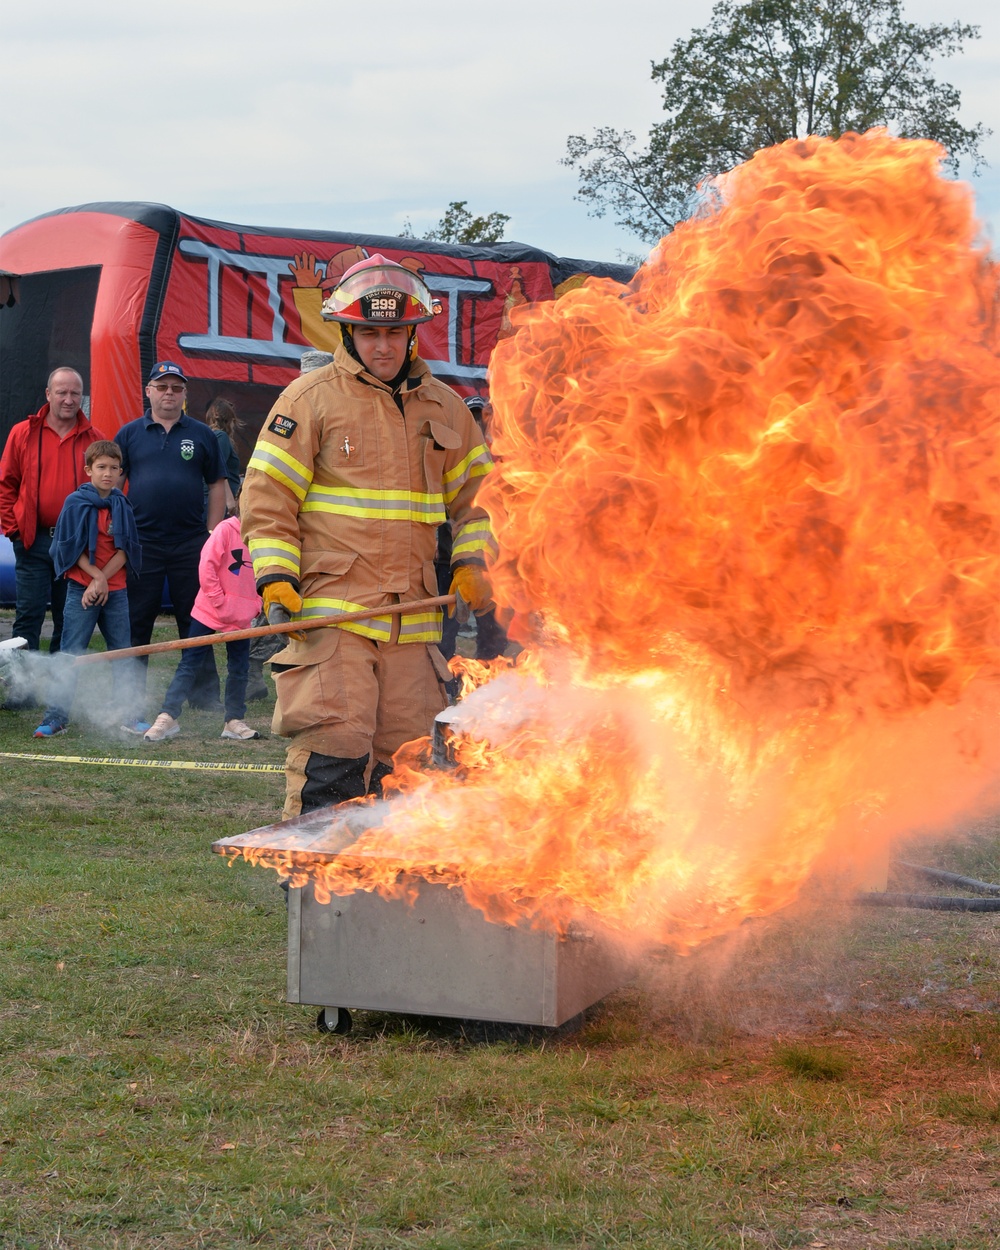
(227, 600)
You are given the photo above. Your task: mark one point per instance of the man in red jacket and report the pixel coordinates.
(42, 464)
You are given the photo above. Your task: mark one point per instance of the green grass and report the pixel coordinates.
(812, 1063)
(827, 1077)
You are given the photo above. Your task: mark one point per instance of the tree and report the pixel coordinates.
(763, 72)
(459, 226)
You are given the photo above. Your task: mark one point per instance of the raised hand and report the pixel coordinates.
(303, 269)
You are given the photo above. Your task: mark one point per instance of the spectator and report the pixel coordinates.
(227, 600)
(220, 417)
(169, 459)
(95, 536)
(43, 463)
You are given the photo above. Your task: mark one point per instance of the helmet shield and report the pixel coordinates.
(380, 295)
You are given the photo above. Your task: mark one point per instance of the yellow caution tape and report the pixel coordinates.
(197, 765)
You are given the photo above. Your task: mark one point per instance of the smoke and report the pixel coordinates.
(100, 696)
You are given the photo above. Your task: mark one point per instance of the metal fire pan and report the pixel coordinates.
(431, 954)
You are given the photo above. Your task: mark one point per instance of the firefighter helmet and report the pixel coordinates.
(378, 292)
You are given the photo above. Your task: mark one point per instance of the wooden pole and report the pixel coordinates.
(261, 631)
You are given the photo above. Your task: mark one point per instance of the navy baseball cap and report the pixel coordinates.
(166, 368)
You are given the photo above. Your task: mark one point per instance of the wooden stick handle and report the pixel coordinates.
(261, 631)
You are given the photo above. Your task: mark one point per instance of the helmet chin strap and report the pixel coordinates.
(347, 333)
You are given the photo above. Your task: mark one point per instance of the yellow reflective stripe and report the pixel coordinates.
(278, 464)
(377, 505)
(423, 617)
(377, 627)
(420, 627)
(474, 537)
(265, 546)
(261, 566)
(414, 627)
(378, 514)
(269, 553)
(366, 629)
(477, 453)
(429, 635)
(476, 464)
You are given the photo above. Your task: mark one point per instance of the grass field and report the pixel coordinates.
(826, 1079)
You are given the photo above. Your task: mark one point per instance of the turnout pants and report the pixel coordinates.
(348, 704)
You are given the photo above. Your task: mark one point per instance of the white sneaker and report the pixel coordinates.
(163, 727)
(239, 731)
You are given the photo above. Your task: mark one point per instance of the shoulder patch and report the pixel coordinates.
(282, 426)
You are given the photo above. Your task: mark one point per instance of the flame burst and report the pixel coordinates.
(749, 519)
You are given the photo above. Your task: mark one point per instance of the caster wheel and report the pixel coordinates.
(334, 1020)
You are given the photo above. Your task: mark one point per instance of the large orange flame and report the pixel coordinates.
(781, 443)
(749, 520)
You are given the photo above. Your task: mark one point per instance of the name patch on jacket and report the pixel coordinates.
(282, 426)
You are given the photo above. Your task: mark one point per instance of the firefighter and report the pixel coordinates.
(356, 466)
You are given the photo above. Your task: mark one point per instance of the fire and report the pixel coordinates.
(749, 519)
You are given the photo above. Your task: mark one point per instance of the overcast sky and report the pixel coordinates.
(317, 113)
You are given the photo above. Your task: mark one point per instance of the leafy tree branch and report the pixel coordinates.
(764, 71)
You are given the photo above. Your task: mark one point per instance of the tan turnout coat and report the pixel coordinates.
(343, 496)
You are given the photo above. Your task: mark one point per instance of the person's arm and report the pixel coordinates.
(114, 564)
(10, 484)
(122, 442)
(210, 566)
(97, 591)
(465, 467)
(277, 480)
(216, 503)
(214, 474)
(323, 335)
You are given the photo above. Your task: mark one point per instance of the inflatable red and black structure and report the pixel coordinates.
(111, 288)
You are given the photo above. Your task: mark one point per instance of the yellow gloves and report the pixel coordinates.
(469, 581)
(281, 602)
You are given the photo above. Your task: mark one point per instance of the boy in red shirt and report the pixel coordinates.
(95, 538)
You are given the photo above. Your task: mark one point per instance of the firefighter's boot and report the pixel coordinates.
(313, 780)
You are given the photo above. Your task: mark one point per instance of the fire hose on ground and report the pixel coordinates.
(938, 902)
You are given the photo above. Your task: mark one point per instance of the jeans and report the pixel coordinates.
(79, 623)
(179, 566)
(195, 661)
(35, 585)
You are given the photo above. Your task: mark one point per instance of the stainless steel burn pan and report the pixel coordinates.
(435, 955)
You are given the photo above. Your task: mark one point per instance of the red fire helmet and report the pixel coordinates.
(378, 292)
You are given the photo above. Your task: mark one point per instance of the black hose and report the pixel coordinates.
(931, 902)
(950, 878)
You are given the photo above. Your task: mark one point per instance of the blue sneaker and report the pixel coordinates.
(137, 727)
(50, 728)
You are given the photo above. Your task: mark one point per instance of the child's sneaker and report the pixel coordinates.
(239, 731)
(163, 727)
(51, 727)
(136, 726)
